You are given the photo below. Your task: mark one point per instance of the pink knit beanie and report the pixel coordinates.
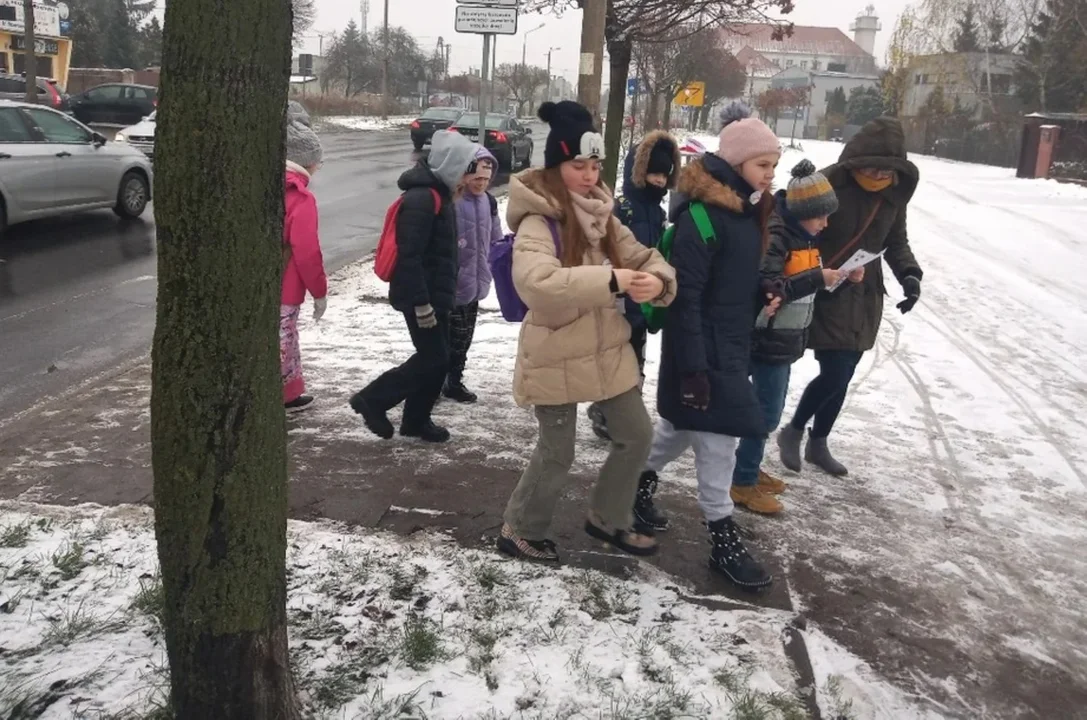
(744, 137)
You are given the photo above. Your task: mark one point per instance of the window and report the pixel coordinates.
(814, 64)
(803, 64)
(12, 127)
(57, 128)
(139, 94)
(104, 93)
(12, 85)
(789, 63)
(1002, 84)
(441, 114)
(44, 65)
(7, 12)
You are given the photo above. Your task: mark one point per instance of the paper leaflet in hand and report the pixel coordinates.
(858, 260)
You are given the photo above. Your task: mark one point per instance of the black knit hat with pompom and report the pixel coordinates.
(572, 133)
(810, 195)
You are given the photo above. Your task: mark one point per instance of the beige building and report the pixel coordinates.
(980, 81)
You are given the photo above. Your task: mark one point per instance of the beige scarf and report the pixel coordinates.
(593, 212)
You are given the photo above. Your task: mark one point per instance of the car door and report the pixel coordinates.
(134, 106)
(27, 166)
(144, 102)
(85, 176)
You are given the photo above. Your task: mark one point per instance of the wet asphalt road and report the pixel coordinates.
(77, 294)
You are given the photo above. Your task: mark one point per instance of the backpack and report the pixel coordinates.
(500, 259)
(494, 205)
(385, 257)
(657, 317)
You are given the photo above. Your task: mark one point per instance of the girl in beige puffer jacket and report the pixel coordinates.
(575, 341)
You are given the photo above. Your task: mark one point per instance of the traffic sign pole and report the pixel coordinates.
(482, 89)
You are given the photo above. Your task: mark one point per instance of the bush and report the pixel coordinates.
(1070, 169)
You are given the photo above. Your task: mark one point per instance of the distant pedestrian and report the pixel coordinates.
(874, 183)
(423, 287)
(573, 263)
(304, 269)
(650, 171)
(704, 397)
(792, 268)
(478, 227)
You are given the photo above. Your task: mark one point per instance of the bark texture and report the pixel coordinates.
(217, 420)
(619, 53)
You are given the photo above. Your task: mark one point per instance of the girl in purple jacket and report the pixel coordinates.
(477, 227)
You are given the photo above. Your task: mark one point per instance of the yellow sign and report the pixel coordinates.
(694, 94)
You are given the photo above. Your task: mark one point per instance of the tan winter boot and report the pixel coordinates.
(756, 500)
(770, 484)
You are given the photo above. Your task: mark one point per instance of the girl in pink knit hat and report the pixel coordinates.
(704, 396)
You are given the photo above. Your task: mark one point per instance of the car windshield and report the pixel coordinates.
(471, 120)
(441, 114)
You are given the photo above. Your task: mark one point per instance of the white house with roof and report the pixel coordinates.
(821, 85)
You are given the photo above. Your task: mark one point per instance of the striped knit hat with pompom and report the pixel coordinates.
(810, 195)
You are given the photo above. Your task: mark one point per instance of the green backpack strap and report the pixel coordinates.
(702, 222)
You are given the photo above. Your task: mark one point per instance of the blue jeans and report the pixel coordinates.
(771, 386)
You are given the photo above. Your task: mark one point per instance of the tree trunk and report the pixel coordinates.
(217, 422)
(668, 113)
(619, 52)
(652, 113)
(30, 59)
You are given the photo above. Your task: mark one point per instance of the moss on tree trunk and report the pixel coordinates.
(619, 52)
(217, 421)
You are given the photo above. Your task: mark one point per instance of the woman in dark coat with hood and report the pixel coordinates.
(874, 182)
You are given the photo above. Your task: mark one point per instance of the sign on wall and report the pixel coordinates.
(46, 18)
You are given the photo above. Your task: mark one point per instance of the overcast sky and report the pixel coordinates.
(428, 20)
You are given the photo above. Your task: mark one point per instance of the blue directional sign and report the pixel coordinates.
(632, 87)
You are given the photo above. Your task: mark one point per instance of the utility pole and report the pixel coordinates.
(31, 60)
(483, 88)
(385, 67)
(549, 51)
(591, 66)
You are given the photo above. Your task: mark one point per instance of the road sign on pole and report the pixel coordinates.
(694, 94)
(486, 20)
(632, 87)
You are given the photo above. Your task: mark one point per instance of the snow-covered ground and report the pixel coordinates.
(369, 122)
(383, 627)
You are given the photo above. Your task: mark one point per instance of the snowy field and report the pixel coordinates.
(383, 628)
(369, 122)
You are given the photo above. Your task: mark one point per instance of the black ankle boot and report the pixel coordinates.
(646, 514)
(730, 558)
(455, 391)
(427, 432)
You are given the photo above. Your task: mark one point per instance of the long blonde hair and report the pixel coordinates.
(574, 241)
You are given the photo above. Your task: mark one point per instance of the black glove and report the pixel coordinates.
(773, 288)
(694, 391)
(911, 287)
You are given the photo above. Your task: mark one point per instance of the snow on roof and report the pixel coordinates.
(806, 40)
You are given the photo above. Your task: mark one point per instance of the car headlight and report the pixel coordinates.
(120, 137)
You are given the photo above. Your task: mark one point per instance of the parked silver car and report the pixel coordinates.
(51, 164)
(140, 136)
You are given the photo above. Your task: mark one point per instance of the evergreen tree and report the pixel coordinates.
(996, 27)
(836, 104)
(865, 103)
(350, 63)
(966, 32)
(1053, 73)
(121, 43)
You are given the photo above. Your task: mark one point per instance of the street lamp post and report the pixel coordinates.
(524, 45)
(547, 98)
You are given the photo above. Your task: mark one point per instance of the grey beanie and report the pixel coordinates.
(303, 145)
(810, 195)
(450, 155)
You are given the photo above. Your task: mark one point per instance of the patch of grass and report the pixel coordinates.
(15, 536)
(421, 643)
(352, 570)
(404, 582)
(666, 702)
(489, 576)
(750, 706)
(72, 624)
(318, 624)
(554, 630)
(151, 599)
(732, 679)
(599, 602)
(395, 708)
(69, 560)
(12, 603)
(840, 708)
(787, 706)
(342, 681)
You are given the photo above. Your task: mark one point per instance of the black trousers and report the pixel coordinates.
(825, 395)
(462, 328)
(418, 382)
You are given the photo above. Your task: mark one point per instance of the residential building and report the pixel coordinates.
(808, 49)
(53, 47)
(821, 85)
(981, 81)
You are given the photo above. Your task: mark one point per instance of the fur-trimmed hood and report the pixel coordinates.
(637, 165)
(711, 180)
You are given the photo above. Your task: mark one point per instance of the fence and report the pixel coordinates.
(990, 143)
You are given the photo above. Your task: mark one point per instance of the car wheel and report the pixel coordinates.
(418, 144)
(132, 197)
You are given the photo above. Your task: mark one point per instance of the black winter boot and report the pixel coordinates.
(647, 518)
(427, 432)
(455, 391)
(730, 558)
(817, 453)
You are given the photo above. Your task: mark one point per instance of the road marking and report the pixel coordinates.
(92, 293)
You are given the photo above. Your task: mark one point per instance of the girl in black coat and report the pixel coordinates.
(704, 397)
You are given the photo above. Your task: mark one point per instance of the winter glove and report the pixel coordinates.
(424, 315)
(773, 289)
(911, 288)
(319, 307)
(694, 390)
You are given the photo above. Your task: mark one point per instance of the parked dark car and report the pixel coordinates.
(13, 87)
(114, 104)
(507, 138)
(435, 118)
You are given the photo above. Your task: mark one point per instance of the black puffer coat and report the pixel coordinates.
(782, 338)
(848, 318)
(709, 325)
(426, 252)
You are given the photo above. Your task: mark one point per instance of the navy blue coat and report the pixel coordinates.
(640, 207)
(710, 324)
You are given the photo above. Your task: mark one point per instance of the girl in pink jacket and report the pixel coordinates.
(304, 269)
